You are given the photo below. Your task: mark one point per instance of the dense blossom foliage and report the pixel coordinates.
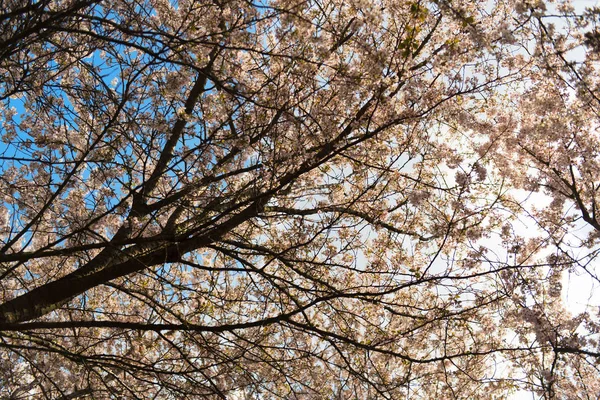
(312, 199)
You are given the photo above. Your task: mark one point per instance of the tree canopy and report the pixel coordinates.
(310, 199)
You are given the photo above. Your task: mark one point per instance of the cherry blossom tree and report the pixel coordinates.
(297, 199)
